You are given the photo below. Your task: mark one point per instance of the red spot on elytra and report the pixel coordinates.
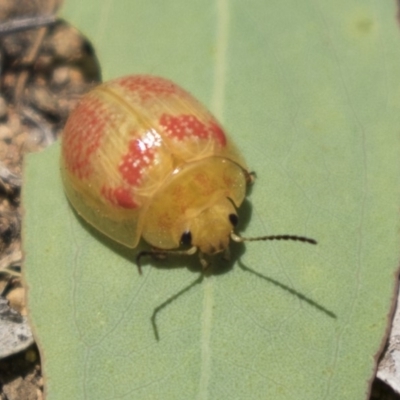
(218, 133)
(82, 134)
(149, 87)
(186, 126)
(136, 161)
(119, 196)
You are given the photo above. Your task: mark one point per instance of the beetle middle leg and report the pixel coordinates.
(169, 301)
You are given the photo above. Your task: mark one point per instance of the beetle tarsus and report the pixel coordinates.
(138, 258)
(205, 264)
(250, 177)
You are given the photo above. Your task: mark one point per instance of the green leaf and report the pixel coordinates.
(310, 93)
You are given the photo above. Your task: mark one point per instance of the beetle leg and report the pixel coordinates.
(139, 257)
(203, 261)
(250, 177)
(168, 301)
(226, 255)
(161, 254)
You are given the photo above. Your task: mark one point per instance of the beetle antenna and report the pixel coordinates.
(240, 239)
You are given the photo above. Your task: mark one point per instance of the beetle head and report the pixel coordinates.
(209, 229)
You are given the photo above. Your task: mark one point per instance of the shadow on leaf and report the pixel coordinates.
(292, 291)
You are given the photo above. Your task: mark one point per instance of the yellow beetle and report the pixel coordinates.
(141, 157)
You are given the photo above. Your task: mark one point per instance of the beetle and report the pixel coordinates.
(141, 157)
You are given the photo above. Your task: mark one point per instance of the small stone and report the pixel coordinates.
(20, 139)
(3, 108)
(3, 151)
(14, 122)
(61, 76)
(67, 43)
(6, 9)
(44, 62)
(31, 355)
(9, 79)
(17, 300)
(76, 77)
(43, 100)
(30, 142)
(5, 132)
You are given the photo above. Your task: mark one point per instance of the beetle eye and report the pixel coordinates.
(186, 238)
(233, 218)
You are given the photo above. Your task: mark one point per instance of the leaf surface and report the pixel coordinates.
(310, 93)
